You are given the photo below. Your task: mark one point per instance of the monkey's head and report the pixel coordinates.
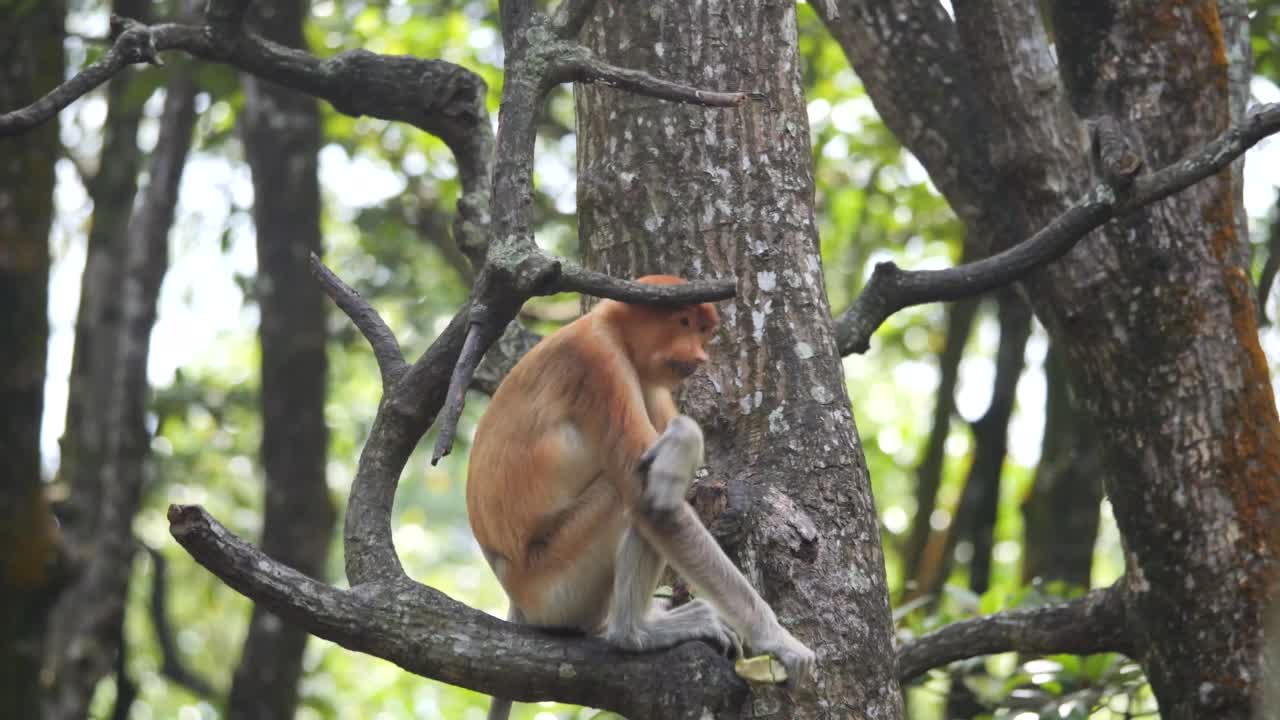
(667, 344)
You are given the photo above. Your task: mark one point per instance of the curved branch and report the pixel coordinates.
(133, 43)
(427, 633)
(891, 289)
(1090, 624)
(502, 293)
(171, 664)
(437, 96)
(386, 349)
(579, 65)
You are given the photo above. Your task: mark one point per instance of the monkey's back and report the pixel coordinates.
(538, 501)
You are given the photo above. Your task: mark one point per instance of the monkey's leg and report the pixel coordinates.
(634, 626)
(500, 708)
(663, 518)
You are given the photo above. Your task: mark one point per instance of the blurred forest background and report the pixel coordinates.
(952, 402)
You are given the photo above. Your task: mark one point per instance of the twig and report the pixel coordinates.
(891, 289)
(386, 349)
(1090, 624)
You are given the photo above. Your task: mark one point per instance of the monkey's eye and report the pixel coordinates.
(684, 321)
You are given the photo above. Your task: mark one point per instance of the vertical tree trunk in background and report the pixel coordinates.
(715, 193)
(111, 189)
(1062, 512)
(85, 627)
(31, 62)
(281, 133)
(1162, 338)
(991, 434)
(929, 471)
(975, 516)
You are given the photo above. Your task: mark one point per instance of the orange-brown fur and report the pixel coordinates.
(552, 469)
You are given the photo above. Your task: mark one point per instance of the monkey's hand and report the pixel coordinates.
(799, 660)
(668, 466)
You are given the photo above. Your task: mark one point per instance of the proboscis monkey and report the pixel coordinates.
(577, 481)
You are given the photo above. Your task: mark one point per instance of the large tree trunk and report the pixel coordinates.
(31, 62)
(717, 193)
(1153, 313)
(281, 132)
(1161, 336)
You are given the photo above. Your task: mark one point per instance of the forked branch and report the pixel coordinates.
(891, 288)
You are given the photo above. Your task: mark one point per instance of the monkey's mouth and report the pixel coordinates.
(683, 368)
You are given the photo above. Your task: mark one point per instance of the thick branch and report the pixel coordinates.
(439, 97)
(1090, 624)
(408, 409)
(892, 289)
(579, 65)
(429, 634)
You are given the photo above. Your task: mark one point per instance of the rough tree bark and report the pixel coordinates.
(1162, 340)
(281, 133)
(31, 62)
(715, 194)
(1153, 312)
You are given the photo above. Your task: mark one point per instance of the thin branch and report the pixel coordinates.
(427, 633)
(133, 44)
(892, 289)
(544, 276)
(588, 282)
(1090, 624)
(386, 349)
(463, 371)
(570, 16)
(171, 664)
(579, 65)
